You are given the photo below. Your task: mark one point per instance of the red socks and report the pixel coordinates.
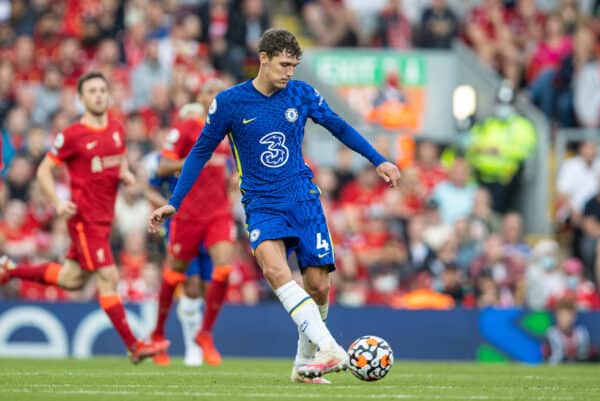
(215, 296)
(46, 273)
(116, 313)
(171, 279)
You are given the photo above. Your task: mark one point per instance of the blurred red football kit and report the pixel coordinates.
(205, 214)
(93, 158)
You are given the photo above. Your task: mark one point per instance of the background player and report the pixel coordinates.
(191, 303)
(93, 151)
(205, 218)
(265, 119)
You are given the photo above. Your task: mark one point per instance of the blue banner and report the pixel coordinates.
(82, 330)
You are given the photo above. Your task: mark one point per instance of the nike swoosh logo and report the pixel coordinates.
(91, 145)
(322, 255)
(244, 121)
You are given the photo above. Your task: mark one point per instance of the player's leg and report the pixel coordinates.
(173, 275)
(107, 278)
(316, 258)
(221, 254)
(191, 307)
(68, 276)
(185, 238)
(316, 284)
(272, 258)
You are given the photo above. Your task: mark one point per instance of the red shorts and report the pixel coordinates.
(90, 246)
(185, 235)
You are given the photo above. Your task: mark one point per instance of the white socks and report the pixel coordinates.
(305, 314)
(190, 312)
(306, 350)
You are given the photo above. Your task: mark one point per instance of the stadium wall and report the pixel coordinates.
(81, 330)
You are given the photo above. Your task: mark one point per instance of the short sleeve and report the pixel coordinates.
(176, 145)
(218, 121)
(63, 148)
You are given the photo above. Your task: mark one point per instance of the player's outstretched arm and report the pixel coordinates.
(158, 217)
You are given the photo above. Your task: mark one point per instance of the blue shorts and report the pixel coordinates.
(201, 265)
(302, 226)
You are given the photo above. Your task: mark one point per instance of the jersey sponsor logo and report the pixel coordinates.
(291, 114)
(101, 163)
(277, 153)
(91, 145)
(213, 107)
(248, 121)
(117, 139)
(59, 141)
(254, 234)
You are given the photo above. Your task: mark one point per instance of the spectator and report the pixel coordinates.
(16, 126)
(590, 226)
(577, 288)
(18, 240)
(428, 165)
(543, 276)
(456, 195)
(393, 28)
(566, 341)
(506, 273)
(587, 95)
(512, 236)
(492, 39)
(24, 61)
(159, 113)
(37, 145)
(69, 61)
(245, 29)
(553, 90)
(343, 169)
(19, 176)
(148, 74)
(555, 46)
(498, 147)
(439, 26)
(577, 181)
(331, 23)
(420, 255)
(483, 220)
(7, 80)
(48, 96)
(131, 211)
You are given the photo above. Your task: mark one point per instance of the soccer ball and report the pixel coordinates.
(371, 358)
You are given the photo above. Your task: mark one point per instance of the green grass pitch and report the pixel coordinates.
(267, 379)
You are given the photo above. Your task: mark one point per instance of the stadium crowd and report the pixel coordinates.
(436, 242)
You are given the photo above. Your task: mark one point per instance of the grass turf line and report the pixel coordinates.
(116, 379)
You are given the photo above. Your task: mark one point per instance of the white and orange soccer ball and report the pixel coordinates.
(371, 358)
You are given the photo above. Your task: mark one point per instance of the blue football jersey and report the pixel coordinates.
(266, 134)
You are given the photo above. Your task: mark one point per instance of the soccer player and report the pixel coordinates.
(205, 218)
(265, 119)
(199, 272)
(93, 151)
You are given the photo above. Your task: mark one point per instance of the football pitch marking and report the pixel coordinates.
(186, 393)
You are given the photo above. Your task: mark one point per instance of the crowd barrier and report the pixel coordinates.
(81, 330)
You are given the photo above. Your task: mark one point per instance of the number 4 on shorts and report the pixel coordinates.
(322, 243)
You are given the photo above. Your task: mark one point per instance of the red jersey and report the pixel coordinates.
(209, 193)
(93, 159)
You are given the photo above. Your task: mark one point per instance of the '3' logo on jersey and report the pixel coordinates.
(277, 153)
